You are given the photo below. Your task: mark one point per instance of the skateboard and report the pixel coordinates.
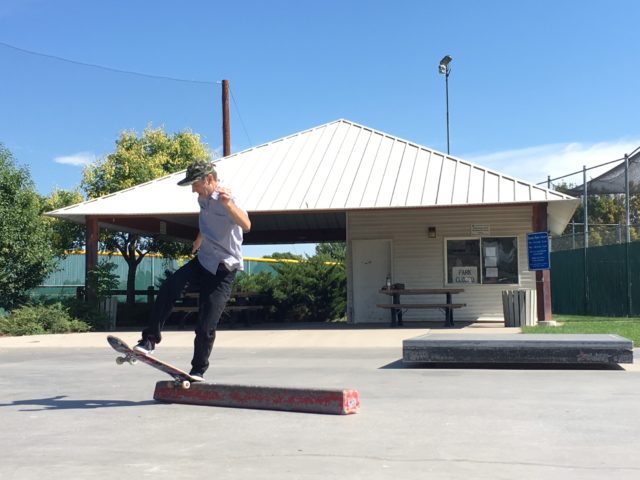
(180, 377)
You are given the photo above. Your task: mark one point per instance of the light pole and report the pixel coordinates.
(444, 69)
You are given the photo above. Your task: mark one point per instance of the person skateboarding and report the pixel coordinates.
(222, 223)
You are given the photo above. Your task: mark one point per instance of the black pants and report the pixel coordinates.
(215, 290)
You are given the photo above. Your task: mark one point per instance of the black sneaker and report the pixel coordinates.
(145, 346)
(197, 376)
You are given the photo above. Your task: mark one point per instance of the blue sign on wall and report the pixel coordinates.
(538, 248)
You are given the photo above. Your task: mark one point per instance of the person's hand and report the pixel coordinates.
(238, 215)
(224, 195)
(196, 244)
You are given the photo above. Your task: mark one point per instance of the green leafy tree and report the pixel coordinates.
(284, 256)
(103, 279)
(65, 235)
(26, 256)
(139, 159)
(332, 251)
(604, 211)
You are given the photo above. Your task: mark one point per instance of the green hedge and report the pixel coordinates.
(312, 290)
(39, 319)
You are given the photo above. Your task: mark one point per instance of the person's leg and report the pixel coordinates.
(170, 291)
(215, 291)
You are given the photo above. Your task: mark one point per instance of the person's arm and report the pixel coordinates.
(196, 243)
(238, 215)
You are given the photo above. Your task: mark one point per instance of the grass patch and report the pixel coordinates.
(625, 327)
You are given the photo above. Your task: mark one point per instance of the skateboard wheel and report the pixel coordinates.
(119, 360)
(185, 384)
(133, 361)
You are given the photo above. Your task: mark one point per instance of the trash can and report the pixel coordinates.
(519, 307)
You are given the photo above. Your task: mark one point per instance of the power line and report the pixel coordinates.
(102, 67)
(129, 72)
(240, 117)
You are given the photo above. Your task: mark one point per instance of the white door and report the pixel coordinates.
(371, 265)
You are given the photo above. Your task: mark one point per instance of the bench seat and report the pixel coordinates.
(421, 305)
(245, 307)
(180, 308)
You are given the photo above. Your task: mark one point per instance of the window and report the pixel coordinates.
(463, 261)
(500, 260)
(487, 260)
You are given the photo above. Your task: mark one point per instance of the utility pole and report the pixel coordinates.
(226, 132)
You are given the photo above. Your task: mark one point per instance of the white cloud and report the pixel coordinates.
(79, 159)
(533, 164)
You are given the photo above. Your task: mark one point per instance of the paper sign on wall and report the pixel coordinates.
(464, 274)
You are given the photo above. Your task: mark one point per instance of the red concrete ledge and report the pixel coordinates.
(337, 402)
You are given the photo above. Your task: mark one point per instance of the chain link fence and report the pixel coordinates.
(599, 235)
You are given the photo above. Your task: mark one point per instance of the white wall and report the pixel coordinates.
(418, 261)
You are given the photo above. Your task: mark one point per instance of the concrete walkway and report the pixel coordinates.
(68, 411)
(268, 336)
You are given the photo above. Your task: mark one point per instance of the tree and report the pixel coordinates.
(284, 256)
(65, 235)
(606, 216)
(26, 257)
(336, 252)
(137, 160)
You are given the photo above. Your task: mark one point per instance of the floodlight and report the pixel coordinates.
(444, 63)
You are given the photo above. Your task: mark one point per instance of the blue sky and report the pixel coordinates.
(536, 88)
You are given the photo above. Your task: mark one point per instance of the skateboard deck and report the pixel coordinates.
(131, 356)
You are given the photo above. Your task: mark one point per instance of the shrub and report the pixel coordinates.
(103, 279)
(87, 312)
(262, 282)
(39, 319)
(311, 290)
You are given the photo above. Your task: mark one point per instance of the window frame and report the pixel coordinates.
(481, 261)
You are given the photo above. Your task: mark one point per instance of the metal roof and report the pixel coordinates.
(335, 167)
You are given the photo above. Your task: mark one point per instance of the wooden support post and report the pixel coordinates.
(226, 131)
(91, 253)
(543, 277)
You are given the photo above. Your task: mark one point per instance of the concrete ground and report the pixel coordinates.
(68, 411)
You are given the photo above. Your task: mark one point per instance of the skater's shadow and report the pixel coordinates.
(60, 403)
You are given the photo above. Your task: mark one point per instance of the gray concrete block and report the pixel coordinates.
(585, 349)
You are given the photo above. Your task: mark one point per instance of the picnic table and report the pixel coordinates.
(241, 302)
(396, 307)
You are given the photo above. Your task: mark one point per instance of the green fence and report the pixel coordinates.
(597, 280)
(70, 273)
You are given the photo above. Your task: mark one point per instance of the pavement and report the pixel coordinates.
(68, 411)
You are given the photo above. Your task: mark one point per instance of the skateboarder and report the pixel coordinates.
(218, 246)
